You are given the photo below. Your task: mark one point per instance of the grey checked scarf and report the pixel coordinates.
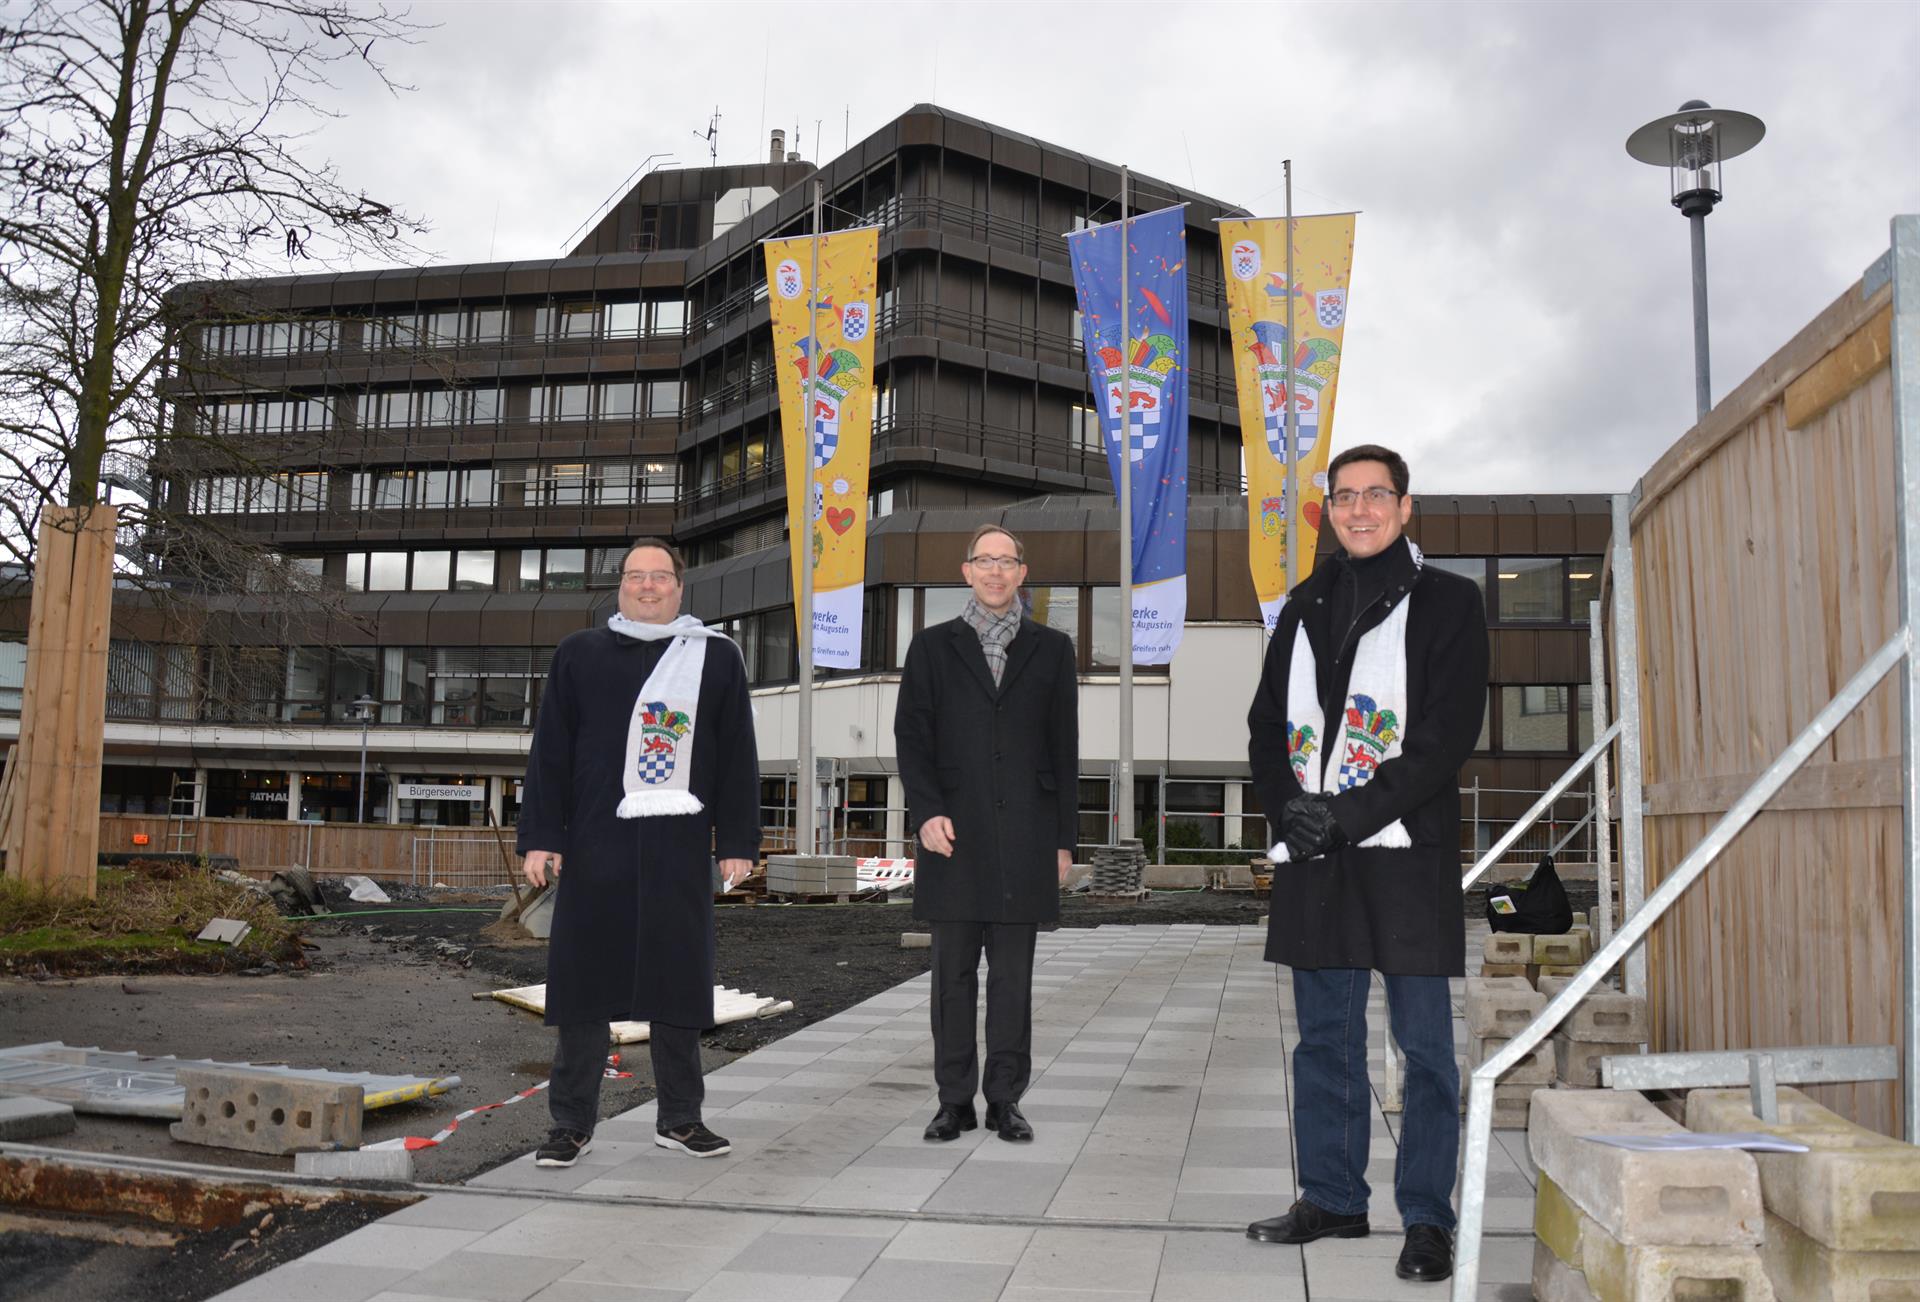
(995, 631)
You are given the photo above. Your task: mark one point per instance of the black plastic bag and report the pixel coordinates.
(1539, 906)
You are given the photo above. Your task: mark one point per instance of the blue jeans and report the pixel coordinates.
(1333, 1099)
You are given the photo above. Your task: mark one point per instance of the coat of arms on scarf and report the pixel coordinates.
(661, 730)
(1300, 745)
(1370, 730)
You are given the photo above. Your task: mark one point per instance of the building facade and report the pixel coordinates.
(460, 455)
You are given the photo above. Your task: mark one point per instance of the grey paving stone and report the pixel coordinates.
(1229, 1209)
(316, 1281)
(1057, 1141)
(682, 1267)
(1174, 1286)
(408, 1247)
(489, 1276)
(929, 1281)
(1001, 1188)
(1089, 1259)
(879, 1188)
(566, 1290)
(745, 1286)
(23, 1119)
(560, 1230)
(937, 1241)
(463, 1212)
(1266, 1180)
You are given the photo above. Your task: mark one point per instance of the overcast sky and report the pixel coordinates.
(1520, 316)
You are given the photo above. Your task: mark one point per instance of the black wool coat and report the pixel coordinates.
(1002, 762)
(633, 919)
(1396, 911)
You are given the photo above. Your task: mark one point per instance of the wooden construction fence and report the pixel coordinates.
(48, 828)
(1764, 556)
(379, 850)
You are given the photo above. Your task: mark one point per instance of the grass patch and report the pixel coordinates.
(143, 919)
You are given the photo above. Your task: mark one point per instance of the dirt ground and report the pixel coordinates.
(389, 988)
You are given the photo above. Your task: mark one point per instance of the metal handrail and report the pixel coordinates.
(1542, 805)
(1466, 1271)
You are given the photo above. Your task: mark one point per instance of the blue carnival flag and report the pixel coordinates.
(1148, 337)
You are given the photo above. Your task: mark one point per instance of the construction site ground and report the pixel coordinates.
(389, 988)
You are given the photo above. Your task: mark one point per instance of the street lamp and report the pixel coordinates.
(1692, 144)
(363, 711)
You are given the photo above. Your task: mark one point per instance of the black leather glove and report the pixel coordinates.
(1309, 828)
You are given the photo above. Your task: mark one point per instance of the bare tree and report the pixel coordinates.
(148, 151)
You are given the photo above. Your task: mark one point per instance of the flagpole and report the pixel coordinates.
(807, 832)
(1123, 770)
(1293, 451)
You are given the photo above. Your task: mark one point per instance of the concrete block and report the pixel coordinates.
(1583, 933)
(1556, 1222)
(22, 1119)
(1562, 951)
(817, 874)
(1499, 1006)
(1504, 970)
(1541, 971)
(1857, 1191)
(1605, 1016)
(1804, 1270)
(1534, 1069)
(1555, 1281)
(357, 1164)
(1701, 1198)
(1512, 1106)
(916, 940)
(259, 1112)
(1666, 1272)
(1579, 920)
(1577, 1062)
(1507, 947)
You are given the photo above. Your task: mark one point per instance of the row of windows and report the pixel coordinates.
(527, 569)
(576, 483)
(447, 328)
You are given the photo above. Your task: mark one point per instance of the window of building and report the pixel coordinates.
(883, 407)
(566, 569)
(669, 316)
(942, 604)
(1057, 608)
(1467, 567)
(579, 320)
(623, 320)
(352, 676)
(880, 504)
(566, 401)
(1583, 717)
(1083, 431)
(663, 399)
(386, 571)
(432, 571)
(1110, 637)
(305, 697)
(1532, 589)
(1583, 586)
(1534, 717)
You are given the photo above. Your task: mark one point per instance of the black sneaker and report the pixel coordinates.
(693, 1139)
(563, 1148)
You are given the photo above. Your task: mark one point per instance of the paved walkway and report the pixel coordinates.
(1160, 1101)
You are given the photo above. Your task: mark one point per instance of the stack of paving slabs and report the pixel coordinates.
(1497, 1009)
(1620, 1225)
(811, 874)
(1605, 1024)
(1119, 869)
(1843, 1220)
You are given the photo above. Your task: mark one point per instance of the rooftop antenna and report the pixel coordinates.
(846, 130)
(712, 136)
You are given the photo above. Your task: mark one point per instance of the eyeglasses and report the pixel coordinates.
(1004, 563)
(1347, 498)
(658, 578)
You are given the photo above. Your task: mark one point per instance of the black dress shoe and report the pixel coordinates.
(1006, 1119)
(1305, 1222)
(950, 1120)
(1428, 1254)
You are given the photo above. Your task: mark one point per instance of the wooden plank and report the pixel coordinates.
(1849, 784)
(1841, 371)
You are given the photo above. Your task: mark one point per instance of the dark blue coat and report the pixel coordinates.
(633, 920)
(1002, 762)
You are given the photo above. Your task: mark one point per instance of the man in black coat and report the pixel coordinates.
(1370, 701)
(987, 730)
(643, 768)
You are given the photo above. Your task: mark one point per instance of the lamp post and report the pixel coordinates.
(363, 710)
(1691, 145)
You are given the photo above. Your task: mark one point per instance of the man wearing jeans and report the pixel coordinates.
(1370, 700)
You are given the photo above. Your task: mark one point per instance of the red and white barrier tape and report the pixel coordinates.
(413, 1143)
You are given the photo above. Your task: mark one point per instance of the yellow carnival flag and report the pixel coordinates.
(824, 333)
(1255, 255)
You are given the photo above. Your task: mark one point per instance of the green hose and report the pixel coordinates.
(382, 913)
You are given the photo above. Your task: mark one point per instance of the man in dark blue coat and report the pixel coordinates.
(643, 769)
(987, 731)
(1370, 701)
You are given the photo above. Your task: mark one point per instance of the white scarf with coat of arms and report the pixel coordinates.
(1375, 717)
(659, 760)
